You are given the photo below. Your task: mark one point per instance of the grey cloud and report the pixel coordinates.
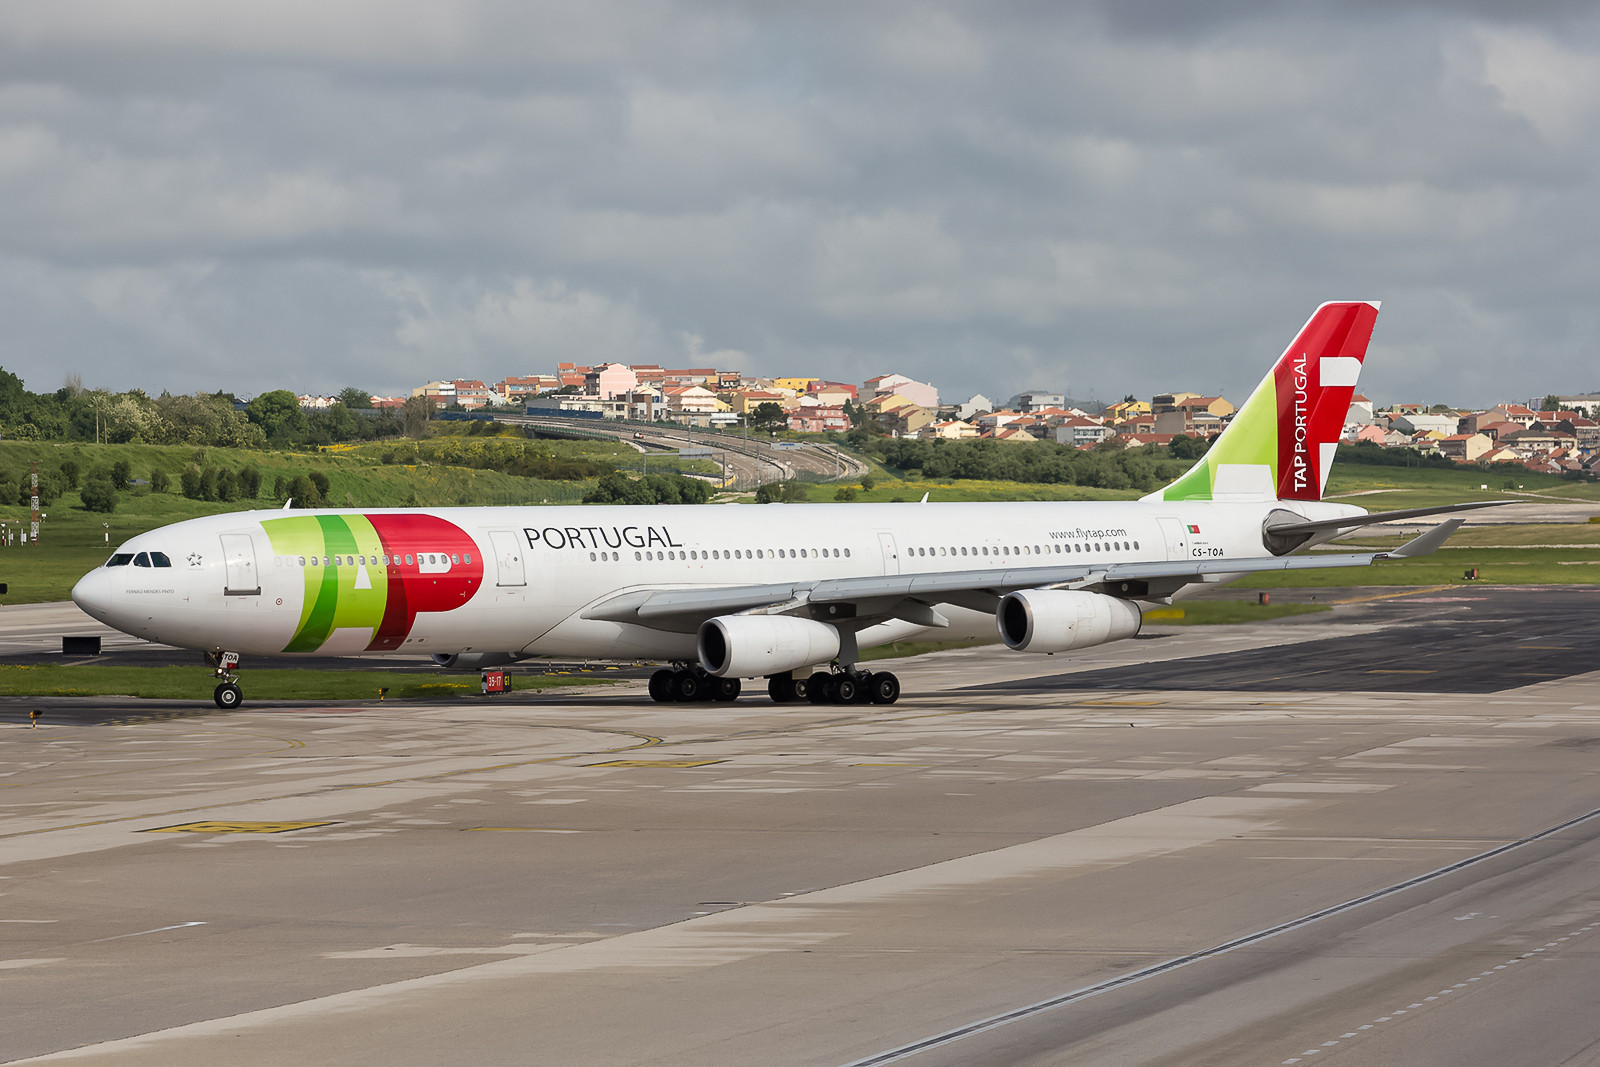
(991, 196)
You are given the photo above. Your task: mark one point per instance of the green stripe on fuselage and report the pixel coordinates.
(333, 599)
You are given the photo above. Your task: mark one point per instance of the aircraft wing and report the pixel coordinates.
(911, 596)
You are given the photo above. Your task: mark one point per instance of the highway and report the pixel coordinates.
(1364, 837)
(750, 461)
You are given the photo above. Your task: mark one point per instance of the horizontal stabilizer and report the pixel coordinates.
(1350, 522)
(1425, 545)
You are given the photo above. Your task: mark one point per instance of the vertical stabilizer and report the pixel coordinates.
(1281, 443)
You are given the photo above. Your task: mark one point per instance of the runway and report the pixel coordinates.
(1217, 845)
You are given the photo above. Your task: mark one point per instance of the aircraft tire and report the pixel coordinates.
(688, 686)
(819, 688)
(843, 689)
(228, 696)
(798, 689)
(884, 688)
(726, 689)
(661, 686)
(778, 689)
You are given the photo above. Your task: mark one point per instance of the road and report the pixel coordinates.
(750, 462)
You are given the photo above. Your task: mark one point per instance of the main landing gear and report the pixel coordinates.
(840, 687)
(686, 685)
(227, 694)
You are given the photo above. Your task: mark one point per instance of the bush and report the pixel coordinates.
(867, 482)
(847, 492)
(227, 485)
(781, 492)
(121, 474)
(70, 472)
(190, 481)
(160, 481)
(249, 483)
(99, 495)
(319, 480)
(304, 492)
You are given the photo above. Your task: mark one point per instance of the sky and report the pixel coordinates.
(1132, 196)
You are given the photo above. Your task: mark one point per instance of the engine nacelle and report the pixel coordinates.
(748, 646)
(1058, 620)
(474, 661)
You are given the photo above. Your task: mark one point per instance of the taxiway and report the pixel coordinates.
(1367, 837)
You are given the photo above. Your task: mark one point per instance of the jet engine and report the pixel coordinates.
(748, 646)
(474, 661)
(1058, 620)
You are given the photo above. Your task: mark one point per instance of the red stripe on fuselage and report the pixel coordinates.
(412, 590)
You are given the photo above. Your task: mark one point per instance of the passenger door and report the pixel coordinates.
(891, 554)
(509, 568)
(1177, 537)
(239, 554)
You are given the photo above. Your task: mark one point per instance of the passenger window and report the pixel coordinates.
(302, 561)
(160, 559)
(466, 557)
(1136, 546)
(454, 559)
(637, 557)
(847, 552)
(142, 560)
(591, 557)
(408, 559)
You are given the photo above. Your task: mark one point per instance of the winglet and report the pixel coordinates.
(1426, 544)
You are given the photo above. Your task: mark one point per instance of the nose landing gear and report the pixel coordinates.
(227, 694)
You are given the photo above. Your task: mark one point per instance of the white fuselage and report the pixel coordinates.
(519, 580)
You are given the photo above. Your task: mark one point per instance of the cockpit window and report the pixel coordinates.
(142, 560)
(160, 559)
(120, 559)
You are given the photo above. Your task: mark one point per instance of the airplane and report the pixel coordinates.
(786, 592)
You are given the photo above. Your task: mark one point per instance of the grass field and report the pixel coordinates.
(192, 683)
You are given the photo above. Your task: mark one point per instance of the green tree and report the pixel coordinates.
(867, 482)
(278, 414)
(208, 484)
(1550, 403)
(227, 485)
(416, 415)
(99, 495)
(70, 472)
(280, 486)
(769, 416)
(355, 399)
(304, 492)
(319, 480)
(782, 492)
(249, 482)
(189, 482)
(160, 481)
(846, 493)
(121, 474)
(1184, 446)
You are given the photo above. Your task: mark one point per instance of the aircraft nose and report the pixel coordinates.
(93, 593)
